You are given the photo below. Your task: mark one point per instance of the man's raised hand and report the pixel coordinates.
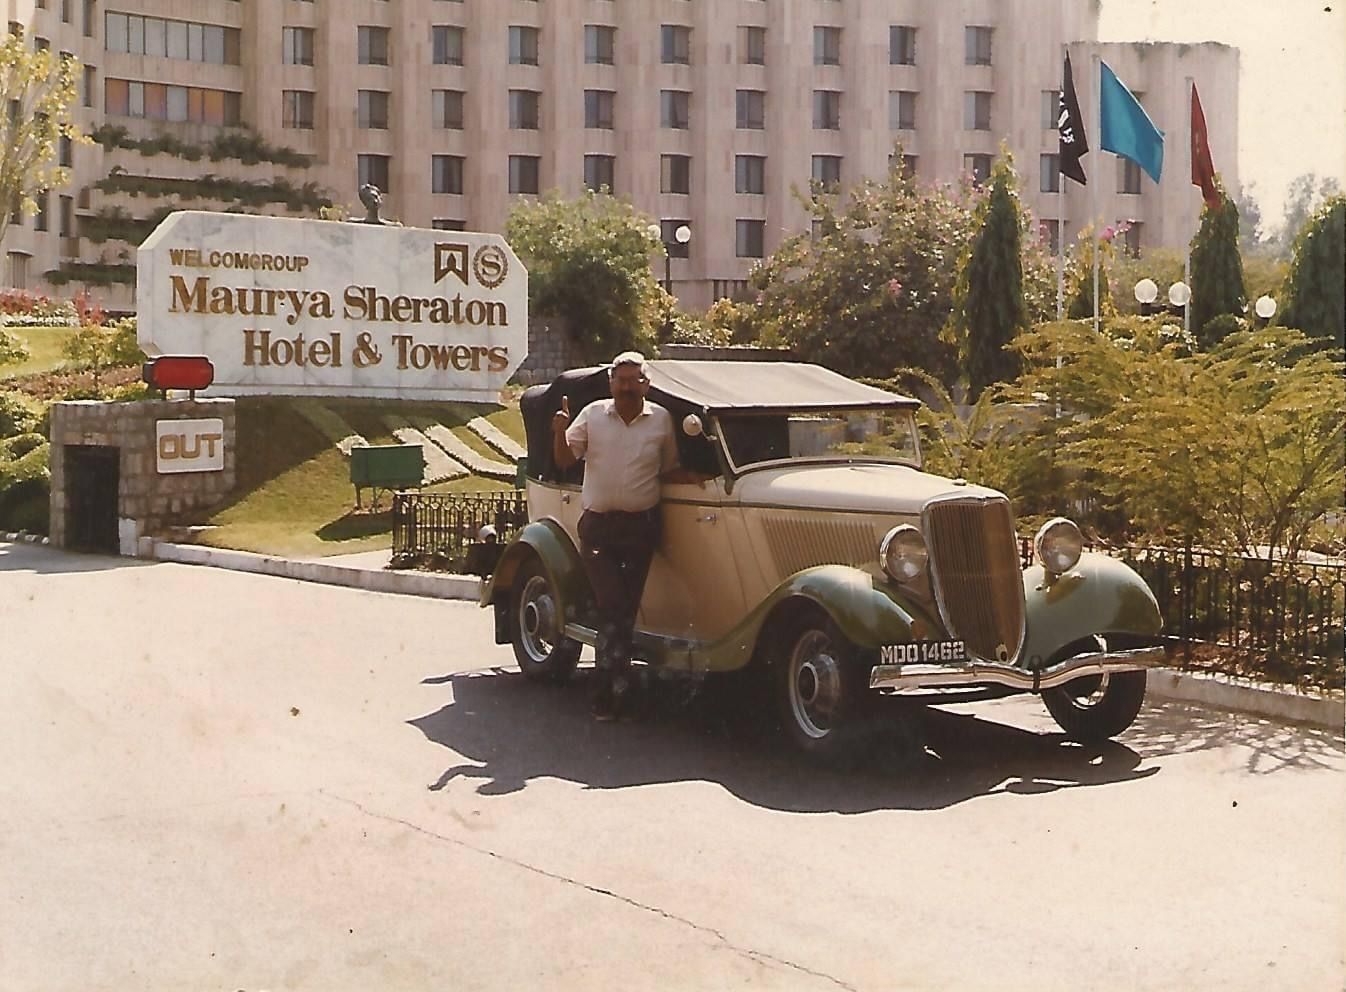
(561, 419)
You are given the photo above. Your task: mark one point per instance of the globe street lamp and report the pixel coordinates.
(682, 236)
(1265, 307)
(1146, 293)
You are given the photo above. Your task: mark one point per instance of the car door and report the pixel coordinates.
(694, 589)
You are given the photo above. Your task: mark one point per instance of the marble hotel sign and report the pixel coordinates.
(324, 308)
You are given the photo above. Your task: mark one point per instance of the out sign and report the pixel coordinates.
(189, 446)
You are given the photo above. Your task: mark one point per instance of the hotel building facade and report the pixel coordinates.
(706, 113)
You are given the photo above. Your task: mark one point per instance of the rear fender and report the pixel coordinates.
(548, 542)
(1100, 595)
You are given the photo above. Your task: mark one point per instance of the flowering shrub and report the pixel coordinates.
(36, 309)
(88, 309)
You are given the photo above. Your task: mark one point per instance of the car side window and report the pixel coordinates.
(756, 439)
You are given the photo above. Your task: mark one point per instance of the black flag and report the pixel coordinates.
(1070, 127)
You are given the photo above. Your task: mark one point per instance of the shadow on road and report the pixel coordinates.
(1182, 728)
(42, 560)
(512, 731)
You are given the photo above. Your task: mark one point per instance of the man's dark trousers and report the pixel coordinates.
(617, 548)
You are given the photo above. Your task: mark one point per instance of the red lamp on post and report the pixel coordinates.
(190, 372)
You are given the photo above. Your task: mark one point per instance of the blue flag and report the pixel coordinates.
(1126, 129)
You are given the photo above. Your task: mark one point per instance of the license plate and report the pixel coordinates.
(914, 652)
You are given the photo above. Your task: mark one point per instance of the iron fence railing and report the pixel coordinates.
(1271, 615)
(442, 530)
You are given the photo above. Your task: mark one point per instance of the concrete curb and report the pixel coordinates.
(463, 587)
(1224, 693)
(23, 537)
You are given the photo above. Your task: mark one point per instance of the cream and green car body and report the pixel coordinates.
(748, 555)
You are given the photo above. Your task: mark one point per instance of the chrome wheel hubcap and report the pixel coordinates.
(815, 685)
(537, 619)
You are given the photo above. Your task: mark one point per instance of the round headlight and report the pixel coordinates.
(1058, 545)
(902, 553)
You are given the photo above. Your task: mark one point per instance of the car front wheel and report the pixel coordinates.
(1096, 707)
(541, 648)
(818, 686)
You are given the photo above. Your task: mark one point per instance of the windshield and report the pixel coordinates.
(777, 435)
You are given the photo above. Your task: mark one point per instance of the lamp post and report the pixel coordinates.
(1146, 293)
(682, 235)
(1179, 295)
(1265, 307)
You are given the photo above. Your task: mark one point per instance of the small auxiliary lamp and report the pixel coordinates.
(190, 372)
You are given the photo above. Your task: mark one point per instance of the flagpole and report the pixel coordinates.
(1191, 226)
(1096, 85)
(1060, 208)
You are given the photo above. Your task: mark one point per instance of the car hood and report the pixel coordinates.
(883, 489)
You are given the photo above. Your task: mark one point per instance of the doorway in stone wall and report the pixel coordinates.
(91, 478)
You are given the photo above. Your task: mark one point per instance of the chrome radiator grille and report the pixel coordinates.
(974, 565)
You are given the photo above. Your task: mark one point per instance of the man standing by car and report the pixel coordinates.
(628, 448)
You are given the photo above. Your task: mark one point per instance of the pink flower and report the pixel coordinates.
(894, 288)
(1109, 233)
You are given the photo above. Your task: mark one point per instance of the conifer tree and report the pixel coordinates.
(1217, 270)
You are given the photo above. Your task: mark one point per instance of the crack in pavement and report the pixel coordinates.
(759, 956)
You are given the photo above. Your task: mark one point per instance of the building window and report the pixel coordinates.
(978, 167)
(373, 109)
(373, 170)
(446, 44)
(749, 174)
(901, 45)
(598, 173)
(40, 219)
(668, 234)
(675, 44)
(523, 44)
(976, 110)
(1051, 109)
(90, 86)
(826, 46)
(90, 17)
(976, 45)
(826, 110)
(65, 155)
(902, 110)
(598, 106)
(750, 110)
(373, 45)
(160, 38)
(157, 101)
(1049, 167)
(297, 109)
(1132, 236)
(600, 42)
(446, 174)
(524, 173)
(909, 163)
(752, 45)
(1049, 234)
(448, 224)
(523, 110)
(296, 46)
(675, 109)
(446, 108)
(1128, 176)
(17, 264)
(748, 238)
(66, 218)
(827, 170)
(675, 174)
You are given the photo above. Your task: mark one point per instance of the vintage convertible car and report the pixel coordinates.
(834, 573)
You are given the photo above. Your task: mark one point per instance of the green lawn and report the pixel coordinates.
(297, 496)
(45, 347)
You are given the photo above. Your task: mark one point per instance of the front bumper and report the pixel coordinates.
(909, 678)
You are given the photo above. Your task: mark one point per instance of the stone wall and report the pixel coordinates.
(147, 502)
(550, 351)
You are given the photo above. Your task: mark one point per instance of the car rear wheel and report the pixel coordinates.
(1096, 707)
(819, 687)
(541, 648)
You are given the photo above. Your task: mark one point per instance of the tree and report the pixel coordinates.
(1302, 198)
(1315, 300)
(38, 88)
(588, 263)
(1252, 233)
(1242, 446)
(1217, 268)
(1079, 277)
(988, 303)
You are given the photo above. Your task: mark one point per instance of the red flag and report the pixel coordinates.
(1203, 169)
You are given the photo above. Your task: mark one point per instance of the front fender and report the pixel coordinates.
(867, 609)
(548, 542)
(1100, 595)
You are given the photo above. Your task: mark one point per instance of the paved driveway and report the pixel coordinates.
(221, 781)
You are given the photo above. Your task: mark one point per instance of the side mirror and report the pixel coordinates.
(693, 427)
